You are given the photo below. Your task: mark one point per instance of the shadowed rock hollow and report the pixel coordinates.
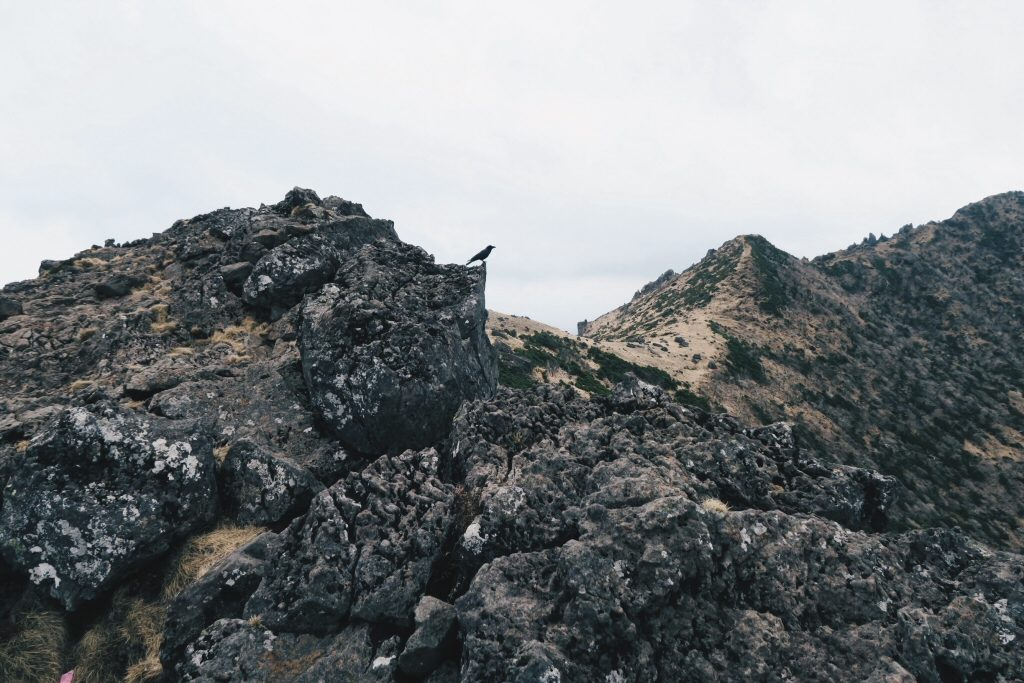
(297, 370)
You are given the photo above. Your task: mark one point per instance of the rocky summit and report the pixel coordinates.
(277, 444)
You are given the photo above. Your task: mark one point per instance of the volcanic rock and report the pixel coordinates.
(99, 492)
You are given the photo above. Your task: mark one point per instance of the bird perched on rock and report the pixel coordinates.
(482, 256)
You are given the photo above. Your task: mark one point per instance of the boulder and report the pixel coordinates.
(9, 307)
(118, 286)
(259, 488)
(100, 491)
(221, 593)
(426, 647)
(303, 264)
(392, 348)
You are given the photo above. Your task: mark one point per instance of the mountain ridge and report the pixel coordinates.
(775, 316)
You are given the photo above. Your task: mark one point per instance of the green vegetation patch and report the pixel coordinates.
(705, 277)
(741, 359)
(767, 260)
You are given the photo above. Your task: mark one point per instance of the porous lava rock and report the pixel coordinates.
(365, 549)
(100, 491)
(394, 345)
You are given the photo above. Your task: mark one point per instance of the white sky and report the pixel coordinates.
(595, 143)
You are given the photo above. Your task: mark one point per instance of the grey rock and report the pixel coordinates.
(117, 286)
(234, 274)
(304, 264)
(367, 546)
(237, 651)
(221, 593)
(425, 649)
(9, 307)
(259, 488)
(393, 347)
(99, 492)
(308, 589)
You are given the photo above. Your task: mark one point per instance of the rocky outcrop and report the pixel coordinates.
(424, 525)
(393, 346)
(98, 493)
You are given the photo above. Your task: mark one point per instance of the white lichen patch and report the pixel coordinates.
(381, 662)
(42, 572)
(472, 539)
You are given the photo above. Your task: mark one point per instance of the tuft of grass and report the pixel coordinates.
(86, 332)
(161, 319)
(239, 340)
(36, 650)
(91, 262)
(201, 553)
(714, 505)
(221, 452)
(22, 445)
(125, 646)
(80, 384)
(178, 351)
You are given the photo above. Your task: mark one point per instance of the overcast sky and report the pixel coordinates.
(595, 143)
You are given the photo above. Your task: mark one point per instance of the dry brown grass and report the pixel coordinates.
(241, 338)
(201, 553)
(36, 651)
(221, 452)
(179, 351)
(714, 505)
(91, 262)
(97, 654)
(86, 332)
(125, 646)
(22, 445)
(161, 319)
(80, 384)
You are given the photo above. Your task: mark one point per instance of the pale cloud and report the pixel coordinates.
(596, 144)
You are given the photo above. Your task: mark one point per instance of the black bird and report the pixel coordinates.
(482, 256)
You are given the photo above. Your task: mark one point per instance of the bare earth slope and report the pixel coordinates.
(902, 354)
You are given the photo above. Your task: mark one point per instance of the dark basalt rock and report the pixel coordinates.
(261, 489)
(9, 307)
(393, 347)
(99, 492)
(303, 264)
(219, 594)
(366, 547)
(118, 286)
(243, 651)
(425, 649)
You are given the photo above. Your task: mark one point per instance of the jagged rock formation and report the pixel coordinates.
(900, 354)
(299, 368)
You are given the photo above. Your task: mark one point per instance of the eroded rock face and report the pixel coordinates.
(393, 346)
(100, 491)
(365, 549)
